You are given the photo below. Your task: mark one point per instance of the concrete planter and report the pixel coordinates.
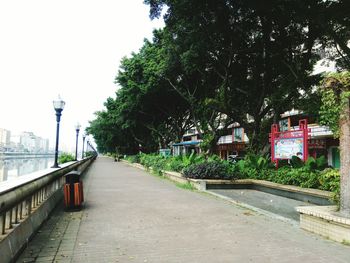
(325, 221)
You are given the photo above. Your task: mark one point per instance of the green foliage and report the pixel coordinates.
(330, 111)
(89, 153)
(330, 180)
(155, 162)
(310, 175)
(186, 186)
(253, 162)
(66, 157)
(209, 170)
(133, 158)
(335, 95)
(172, 163)
(311, 163)
(296, 162)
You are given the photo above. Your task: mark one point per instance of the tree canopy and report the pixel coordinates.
(220, 62)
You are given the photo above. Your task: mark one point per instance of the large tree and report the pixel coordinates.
(246, 59)
(335, 112)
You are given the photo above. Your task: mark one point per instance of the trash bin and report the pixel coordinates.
(73, 191)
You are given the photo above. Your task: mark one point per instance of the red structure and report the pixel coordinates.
(289, 143)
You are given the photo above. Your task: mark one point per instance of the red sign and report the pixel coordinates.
(286, 144)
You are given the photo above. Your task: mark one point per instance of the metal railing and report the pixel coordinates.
(19, 201)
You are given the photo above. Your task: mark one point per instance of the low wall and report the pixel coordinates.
(308, 195)
(325, 221)
(313, 196)
(26, 205)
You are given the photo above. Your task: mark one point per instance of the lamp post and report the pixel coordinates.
(87, 145)
(58, 106)
(82, 154)
(77, 129)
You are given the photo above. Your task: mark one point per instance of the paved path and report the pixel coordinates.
(131, 216)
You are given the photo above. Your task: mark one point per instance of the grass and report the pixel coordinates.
(186, 186)
(346, 242)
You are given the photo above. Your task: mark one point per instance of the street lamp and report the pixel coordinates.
(82, 154)
(77, 128)
(58, 106)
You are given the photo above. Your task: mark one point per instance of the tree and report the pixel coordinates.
(246, 60)
(335, 112)
(149, 99)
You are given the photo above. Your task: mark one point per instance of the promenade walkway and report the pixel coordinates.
(131, 216)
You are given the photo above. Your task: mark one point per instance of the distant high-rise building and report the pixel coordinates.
(5, 136)
(28, 141)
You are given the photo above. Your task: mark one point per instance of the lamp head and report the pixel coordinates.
(77, 126)
(58, 104)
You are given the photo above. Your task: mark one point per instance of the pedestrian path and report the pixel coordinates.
(132, 216)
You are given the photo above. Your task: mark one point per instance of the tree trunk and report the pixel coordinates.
(344, 141)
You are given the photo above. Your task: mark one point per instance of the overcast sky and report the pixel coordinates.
(67, 47)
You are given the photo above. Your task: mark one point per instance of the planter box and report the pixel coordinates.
(325, 221)
(313, 196)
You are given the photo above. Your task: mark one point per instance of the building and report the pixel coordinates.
(28, 141)
(233, 144)
(5, 136)
(190, 143)
(321, 140)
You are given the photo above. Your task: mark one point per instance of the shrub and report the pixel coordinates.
(154, 161)
(133, 158)
(330, 181)
(209, 170)
(66, 157)
(308, 175)
(175, 164)
(192, 159)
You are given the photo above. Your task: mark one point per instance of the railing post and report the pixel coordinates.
(29, 206)
(21, 211)
(3, 224)
(10, 218)
(16, 214)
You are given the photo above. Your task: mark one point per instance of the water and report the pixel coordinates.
(11, 169)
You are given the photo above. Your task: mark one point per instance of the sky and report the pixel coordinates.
(70, 48)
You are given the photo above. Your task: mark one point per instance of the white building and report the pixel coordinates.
(28, 141)
(5, 136)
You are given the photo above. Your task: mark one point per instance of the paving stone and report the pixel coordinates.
(130, 216)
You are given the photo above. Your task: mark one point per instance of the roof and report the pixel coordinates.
(187, 143)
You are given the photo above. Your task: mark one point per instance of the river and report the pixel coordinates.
(15, 167)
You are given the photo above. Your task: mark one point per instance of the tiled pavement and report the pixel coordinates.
(56, 239)
(130, 216)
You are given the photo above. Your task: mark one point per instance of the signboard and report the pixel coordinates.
(286, 148)
(285, 144)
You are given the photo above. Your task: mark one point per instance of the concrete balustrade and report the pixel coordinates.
(25, 203)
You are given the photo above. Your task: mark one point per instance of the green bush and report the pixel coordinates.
(133, 158)
(65, 157)
(295, 172)
(192, 159)
(154, 161)
(209, 170)
(90, 153)
(330, 181)
(175, 164)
